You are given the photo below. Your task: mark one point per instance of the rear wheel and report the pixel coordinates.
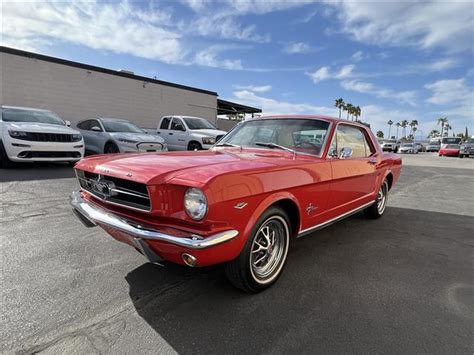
(377, 209)
(461, 156)
(263, 257)
(111, 148)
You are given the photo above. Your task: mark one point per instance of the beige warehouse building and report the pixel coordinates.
(77, 91)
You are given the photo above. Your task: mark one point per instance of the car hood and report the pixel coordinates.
(184, 168)
(139, 137)
(208, 132)
(38, 127)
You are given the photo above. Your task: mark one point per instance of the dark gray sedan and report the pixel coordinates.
(113, 135)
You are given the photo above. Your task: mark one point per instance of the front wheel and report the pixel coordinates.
(194, 146)
(5, 162)
(377, 209)
(111, 148)
(262, 259)
(461, 156)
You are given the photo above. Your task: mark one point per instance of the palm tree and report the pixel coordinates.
(390, 123)
(404, 124)
(340, 104)
(358, 112)
(442, 121)
(379, 134)
(398, 126)
(447, 127)
(349, 108)
(433, 134)
(414, 129)
(413, 124)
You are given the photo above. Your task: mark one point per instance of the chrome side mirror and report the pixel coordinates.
(68, 123)
(346, 152)
(96, 129)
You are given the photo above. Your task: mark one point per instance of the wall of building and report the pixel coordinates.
(77, 93)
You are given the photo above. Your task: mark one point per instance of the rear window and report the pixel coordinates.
(452, 146)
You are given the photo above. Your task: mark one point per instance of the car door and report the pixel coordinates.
(85, 129)
(354, 176)
(177, 134)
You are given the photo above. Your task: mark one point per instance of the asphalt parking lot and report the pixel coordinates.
(400, 284)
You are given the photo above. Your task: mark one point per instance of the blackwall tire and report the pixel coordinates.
(377, 209)
(263, 257)
(5, 162)
(111, 148)
(194, 146)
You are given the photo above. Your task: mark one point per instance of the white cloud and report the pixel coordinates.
(221, 25)
(358, 56)
(325, 73)
(208, 58)
(298, 48)
(407, 97)
(254, 88)
(271, 106)
(121, 29)
(426, 24)
(455, 95)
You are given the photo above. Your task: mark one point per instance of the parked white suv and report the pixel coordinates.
(188, 133)
(31, 135)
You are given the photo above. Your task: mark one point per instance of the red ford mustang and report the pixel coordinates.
(265, 183)
(451, 150)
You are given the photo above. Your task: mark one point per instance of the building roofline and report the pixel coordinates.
(100, 69)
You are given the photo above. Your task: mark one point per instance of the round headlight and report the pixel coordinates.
(195, 203)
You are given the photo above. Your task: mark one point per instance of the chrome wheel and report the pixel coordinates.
(382, 198)
(269, 249)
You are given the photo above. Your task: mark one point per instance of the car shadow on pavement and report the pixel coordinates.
(36, 171)
(398, 284)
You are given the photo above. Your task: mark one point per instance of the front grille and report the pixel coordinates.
(46, 137)
(42, 154)
(114, 190)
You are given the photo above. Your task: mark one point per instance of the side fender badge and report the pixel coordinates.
(240, 205)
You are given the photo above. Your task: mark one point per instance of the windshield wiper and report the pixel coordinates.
(228, 145)
(273, 145)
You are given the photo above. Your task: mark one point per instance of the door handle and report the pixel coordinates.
(372, 162)
(171, 133)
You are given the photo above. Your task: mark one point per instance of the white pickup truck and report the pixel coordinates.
(188, 133)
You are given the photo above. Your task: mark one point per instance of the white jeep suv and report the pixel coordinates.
(32, 135)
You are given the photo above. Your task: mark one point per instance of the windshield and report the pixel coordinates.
(121, 126)
(302, 135)
(453, 140)
(391, 141)
(198, 123)
(33, 116)
(407, 145)
(452, 146)
(469, 140)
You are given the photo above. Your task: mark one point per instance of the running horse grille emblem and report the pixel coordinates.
(104, 187)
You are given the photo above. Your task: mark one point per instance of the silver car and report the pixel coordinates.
(410, 148)
(113, 135)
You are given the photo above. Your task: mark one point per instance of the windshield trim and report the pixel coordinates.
(323, 145)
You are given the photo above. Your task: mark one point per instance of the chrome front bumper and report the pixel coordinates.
(92, 215)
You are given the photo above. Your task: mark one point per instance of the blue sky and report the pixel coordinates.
(396, 60)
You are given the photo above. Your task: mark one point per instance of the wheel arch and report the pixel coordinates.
(193, 141)
(283, 200)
